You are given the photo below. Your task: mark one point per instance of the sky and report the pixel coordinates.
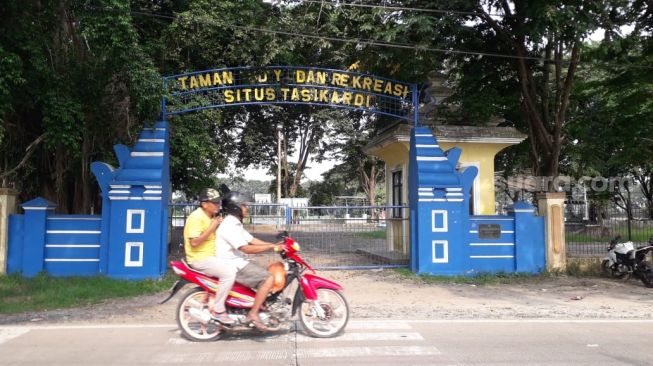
(313, 173)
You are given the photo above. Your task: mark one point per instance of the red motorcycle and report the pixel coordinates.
(323, 310)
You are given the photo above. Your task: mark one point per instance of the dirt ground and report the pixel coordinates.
(385, 294)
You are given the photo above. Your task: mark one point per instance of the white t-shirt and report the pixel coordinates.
(230, 236)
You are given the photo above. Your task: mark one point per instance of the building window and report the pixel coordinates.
(397, 189)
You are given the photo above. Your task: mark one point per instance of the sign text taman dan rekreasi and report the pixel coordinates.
(294, 85)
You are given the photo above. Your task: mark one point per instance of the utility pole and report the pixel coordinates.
(279, 163)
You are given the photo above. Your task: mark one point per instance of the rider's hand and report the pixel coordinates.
(277, 248)
(217, 220)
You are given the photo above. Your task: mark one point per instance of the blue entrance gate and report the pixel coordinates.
(133, 230)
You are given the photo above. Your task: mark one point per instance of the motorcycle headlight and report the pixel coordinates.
(295, 246)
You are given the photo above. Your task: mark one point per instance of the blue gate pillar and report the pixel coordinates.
(529, 239)
(135, 207)
(32, 256)
(439, 204)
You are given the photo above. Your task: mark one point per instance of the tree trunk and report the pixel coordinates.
(646, 186)
(544, 112)
(306, 147)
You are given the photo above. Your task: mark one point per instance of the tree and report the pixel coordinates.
(337, 182)
(533, 47)
(613, 114)
(77, 80)
(349, 139)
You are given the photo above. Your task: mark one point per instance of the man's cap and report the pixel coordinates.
(210, 195)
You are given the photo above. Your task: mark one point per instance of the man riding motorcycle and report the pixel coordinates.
(233, 243)
(199, 246)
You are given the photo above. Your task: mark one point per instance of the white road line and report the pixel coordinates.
(346, 337)
(242, 338)
(7, 334)
(378, 324)
(88, 326)
(214, 357)
(353, 325)
(535, 320)
(268, 355)
(381, 336)
(367, 351)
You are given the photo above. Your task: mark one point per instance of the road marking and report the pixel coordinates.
(367, 351)
(353, 325)
(7, 334)
(348, 337)
(213, 357)
(378, 324)
(537, 320)
(88, 326)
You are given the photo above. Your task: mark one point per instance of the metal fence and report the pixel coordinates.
(589, 229)
(332, 237)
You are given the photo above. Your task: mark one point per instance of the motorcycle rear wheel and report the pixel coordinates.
(192, 328)
(335, 314)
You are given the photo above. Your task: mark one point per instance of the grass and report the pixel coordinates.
(573, 269)
(42, 292)
(638, 235)
(378, 234)
(479, 279)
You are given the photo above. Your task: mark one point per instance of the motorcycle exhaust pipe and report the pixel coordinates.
(199, 315)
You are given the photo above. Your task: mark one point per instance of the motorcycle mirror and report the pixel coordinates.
(224, 189)
(282, 234)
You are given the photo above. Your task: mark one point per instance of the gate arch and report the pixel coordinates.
(241, 86)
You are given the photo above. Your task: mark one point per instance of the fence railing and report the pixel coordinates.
(332, 237)
(589, 230)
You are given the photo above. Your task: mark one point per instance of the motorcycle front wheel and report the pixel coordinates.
(325, 317)
(192, 306)
(610, 272)
(605, 268)
(646, 275)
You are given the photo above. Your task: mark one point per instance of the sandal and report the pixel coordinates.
(258, 325)
(222, 318)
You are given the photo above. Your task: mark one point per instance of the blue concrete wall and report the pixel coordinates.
(128, 240)
(445, 238)
(72, 245)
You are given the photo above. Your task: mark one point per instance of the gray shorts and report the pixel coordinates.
(252, 275)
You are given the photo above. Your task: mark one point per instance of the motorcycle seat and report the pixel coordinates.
(195, 270)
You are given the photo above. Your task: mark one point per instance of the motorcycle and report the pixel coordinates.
(323, 310)
(625, 261)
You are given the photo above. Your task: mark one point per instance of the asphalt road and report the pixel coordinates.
(366, 342)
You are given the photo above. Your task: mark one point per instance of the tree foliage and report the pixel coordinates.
(78, 76)
(77, 85)
(613, 123)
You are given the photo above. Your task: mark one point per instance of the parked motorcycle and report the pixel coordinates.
(323, 310)
(624, 261)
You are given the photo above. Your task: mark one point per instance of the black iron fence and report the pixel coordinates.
(589, 228)
(332, 237)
